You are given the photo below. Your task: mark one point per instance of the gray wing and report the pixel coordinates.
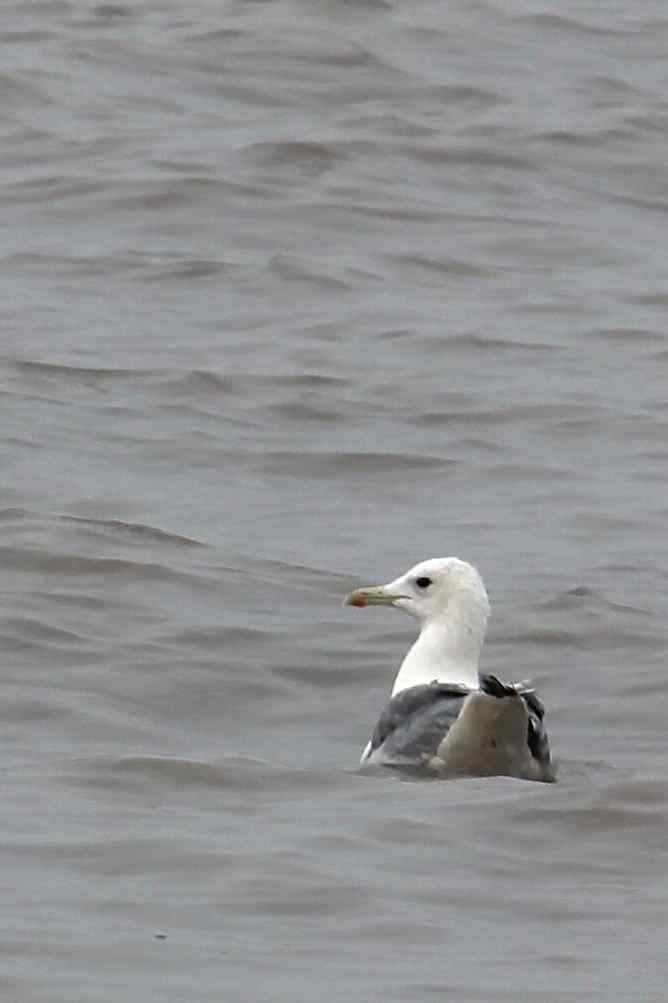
(414, 723)
(537, 733)
(537, 740)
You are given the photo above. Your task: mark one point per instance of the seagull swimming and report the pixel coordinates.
(444, 716)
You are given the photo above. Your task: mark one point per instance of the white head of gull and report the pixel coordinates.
(449, 600)
(443, 714)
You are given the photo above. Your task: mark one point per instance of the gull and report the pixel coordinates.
(444, 716)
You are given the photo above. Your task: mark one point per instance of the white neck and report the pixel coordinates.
(447, 650)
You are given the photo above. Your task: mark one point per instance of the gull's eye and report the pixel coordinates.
(423, 583)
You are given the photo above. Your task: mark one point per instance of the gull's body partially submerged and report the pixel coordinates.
(444, 716)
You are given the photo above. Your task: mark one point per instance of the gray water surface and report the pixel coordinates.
(294, 295)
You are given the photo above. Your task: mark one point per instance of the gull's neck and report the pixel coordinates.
(448, 648)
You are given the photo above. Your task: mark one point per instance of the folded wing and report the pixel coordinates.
(454, 730)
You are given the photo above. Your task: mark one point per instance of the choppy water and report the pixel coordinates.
(294, 295)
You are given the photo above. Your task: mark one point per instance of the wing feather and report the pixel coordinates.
(415, 722)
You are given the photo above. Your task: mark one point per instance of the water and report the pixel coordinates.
(295, 295)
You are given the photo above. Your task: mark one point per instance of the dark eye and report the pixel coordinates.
(423, 583)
